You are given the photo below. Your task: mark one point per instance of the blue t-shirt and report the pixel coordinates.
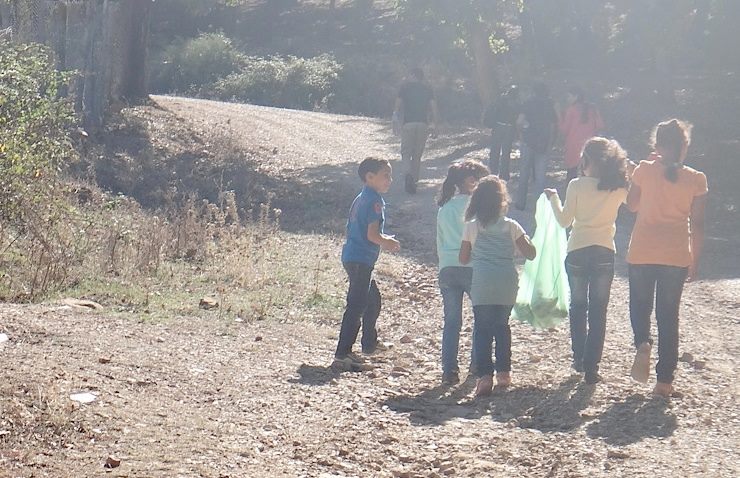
(367, 208)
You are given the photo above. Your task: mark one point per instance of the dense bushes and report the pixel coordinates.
(34, 127)
(290, 82)
(187, 65)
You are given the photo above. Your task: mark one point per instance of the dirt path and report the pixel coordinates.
(219, 398)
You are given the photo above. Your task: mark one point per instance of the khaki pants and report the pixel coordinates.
(413, 140)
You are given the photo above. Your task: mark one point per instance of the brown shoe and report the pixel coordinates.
(484, 386)
(503, 379)
(663, 390)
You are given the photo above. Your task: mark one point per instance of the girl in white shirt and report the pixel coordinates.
(592, 203)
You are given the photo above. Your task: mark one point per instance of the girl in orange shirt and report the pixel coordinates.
(665, 246)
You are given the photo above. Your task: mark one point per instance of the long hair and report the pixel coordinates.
(671, 137)
(456, 175)
(609, 162)
(489, 201)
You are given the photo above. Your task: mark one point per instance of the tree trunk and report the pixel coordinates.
(485, 62)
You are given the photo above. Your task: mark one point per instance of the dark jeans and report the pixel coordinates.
(590, 275)
(532, 164)
(491, 322)
(499, 157)
(662, 285)
(363, 307)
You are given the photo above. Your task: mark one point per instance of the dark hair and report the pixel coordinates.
(671, 137)
(457, 174)
(489, 201)
(417, 73)
(371, 165)
(584, 105)
(609, 161)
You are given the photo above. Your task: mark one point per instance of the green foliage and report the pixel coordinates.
(34, 127)
(188, 65)
(290, 82)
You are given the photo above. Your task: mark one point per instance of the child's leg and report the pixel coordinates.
(642, 279)
(483, 338)
(502, 334)
(668, 298)
(357, 298)
(601, 275)
(370, 318)
(452, 301)
(578, 281)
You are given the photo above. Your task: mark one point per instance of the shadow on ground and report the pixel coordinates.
(633, 420)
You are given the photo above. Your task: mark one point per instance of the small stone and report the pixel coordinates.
(258, 338)
(112, 462)
(84, 397)
(104, 359)
(406, 339)
(617, 454)
(699, 364)
(208, 303)
(686, 357)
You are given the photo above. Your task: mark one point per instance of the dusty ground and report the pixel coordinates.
(216, 397)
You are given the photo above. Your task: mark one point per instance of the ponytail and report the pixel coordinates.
(449, 185)
(670, 137)
(456, 175)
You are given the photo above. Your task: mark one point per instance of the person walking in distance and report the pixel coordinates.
(580, 122)
(501, 117)
(418, 109)
(538, 123)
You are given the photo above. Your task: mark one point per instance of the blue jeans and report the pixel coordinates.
(492, 323)
(531, 163)
(590, 275)
(664, 285)
(363, 308)
(454, 283)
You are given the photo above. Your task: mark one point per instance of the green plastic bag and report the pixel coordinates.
(542, 300)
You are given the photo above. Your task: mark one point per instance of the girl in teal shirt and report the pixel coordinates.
(454, 278)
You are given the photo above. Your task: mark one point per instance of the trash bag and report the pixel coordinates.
(542, 300)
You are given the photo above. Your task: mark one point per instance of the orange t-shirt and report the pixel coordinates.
(661, 233)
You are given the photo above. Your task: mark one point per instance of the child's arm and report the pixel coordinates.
(698, 206)
(465, 249)
(633, 198)
(525, 246)
(565, 214)
(386, 242)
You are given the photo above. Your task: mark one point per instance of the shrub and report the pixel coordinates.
(34, 127)
(188, 65)
(289, 82)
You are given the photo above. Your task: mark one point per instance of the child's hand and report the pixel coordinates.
(550, 192)
(391, 245)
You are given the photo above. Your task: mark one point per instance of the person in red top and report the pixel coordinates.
(665, 246)
(580, 122)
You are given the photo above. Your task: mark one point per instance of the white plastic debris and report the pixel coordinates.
(84, 397)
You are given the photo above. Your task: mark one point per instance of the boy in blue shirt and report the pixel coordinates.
(365, 239)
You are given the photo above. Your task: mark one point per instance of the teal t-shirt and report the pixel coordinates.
(450, 224)
(495, 280)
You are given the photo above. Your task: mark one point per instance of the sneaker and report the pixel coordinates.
(378, 347)
(450, 378)
(410, 184)
(663, 390)
(592, 378)
(350, 363)
(641, 365)
(484, 386)
(503, 379)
